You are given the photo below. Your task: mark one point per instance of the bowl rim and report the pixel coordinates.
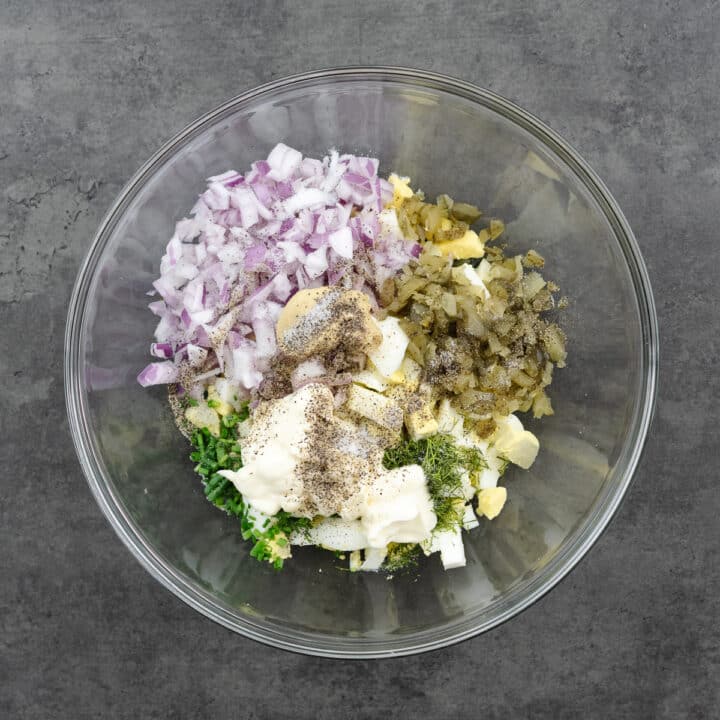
(327, 645)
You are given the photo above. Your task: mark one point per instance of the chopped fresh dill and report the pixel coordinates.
(443, 462)
(449, 511)
(504, 465)
(401, 556)
(212, 454)
(472, 459)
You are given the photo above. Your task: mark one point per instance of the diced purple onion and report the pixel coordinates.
(160, 373)
(254, 240)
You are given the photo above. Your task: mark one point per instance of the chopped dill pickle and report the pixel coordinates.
(480, 329)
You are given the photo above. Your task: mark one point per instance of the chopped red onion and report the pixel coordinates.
(253, 241)
(341, 241)
(160, 373)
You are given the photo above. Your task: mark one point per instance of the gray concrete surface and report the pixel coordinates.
(89, 89)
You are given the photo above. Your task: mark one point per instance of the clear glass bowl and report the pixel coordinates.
(448, 136)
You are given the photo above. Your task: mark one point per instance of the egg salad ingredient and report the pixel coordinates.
(491, 501)
(374, 406)
(444, 463)
(477, 329)
(253, 241)
(321, 320)
(348, 359)
(214, 454)
(299, 457)
(387, 356)
(515, 443)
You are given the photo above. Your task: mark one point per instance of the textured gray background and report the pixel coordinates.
(89, 90)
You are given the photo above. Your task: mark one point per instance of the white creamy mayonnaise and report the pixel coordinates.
(271, 453)
(383, 505)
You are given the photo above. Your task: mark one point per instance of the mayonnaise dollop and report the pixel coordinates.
(399, 508)
(271, 452)
(301, 458)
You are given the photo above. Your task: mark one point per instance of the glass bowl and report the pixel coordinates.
(448, 136)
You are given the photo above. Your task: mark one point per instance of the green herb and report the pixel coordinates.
(504, 465)
(286, 524)
(472, 459)
(401, 556)
(212, 454)
(443, 462)
(449, 511)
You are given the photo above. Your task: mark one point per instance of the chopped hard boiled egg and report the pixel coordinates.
(401, 189)
(412, 374)
(374, 558)
(203, 416)
(278, 547)
(469, 520)
(221, 407)
(421, 423)
(489, 476)
(398, 377)
(450, 546)
(491, 501)
(376, 407)
(227, 392)
(464, 248)
(515, 443)
(356, 561)
(450, 422)
(388, 356)
(372, 380)
(466, 274)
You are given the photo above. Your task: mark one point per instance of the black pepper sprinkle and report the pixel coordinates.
(336, 457)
